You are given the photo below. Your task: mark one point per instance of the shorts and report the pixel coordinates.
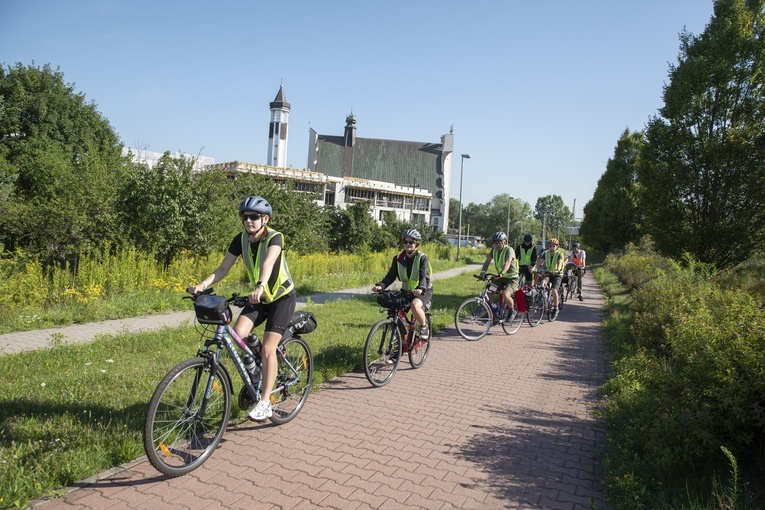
(426, 297)
(525, 271)
(277, 314)
(555, 281)
(511, 284)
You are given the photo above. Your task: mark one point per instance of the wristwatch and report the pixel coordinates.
(259, 284)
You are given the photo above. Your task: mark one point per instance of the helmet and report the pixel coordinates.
(527, 238)
(553, 240)
(575, 245)
(412, 233)
(498, 236)
(256, 204)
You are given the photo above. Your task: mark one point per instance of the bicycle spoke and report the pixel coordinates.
(473, 319)
(293, 381)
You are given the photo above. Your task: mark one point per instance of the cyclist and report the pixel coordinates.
(527, 256)
(273, 299)
(577, 257)
(505, 265)
(553, 261)
(413, 269)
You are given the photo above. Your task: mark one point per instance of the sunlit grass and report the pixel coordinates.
(72, 411)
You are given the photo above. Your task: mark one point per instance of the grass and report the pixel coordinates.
(72, 411)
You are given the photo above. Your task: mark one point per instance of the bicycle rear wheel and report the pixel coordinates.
(419, 350)
(513, 321)
(552, 313)
(382, 353)
(536, 310)
(182, 428)
(473, 319)
(293, 380)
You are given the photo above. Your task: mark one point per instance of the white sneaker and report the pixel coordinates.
(424, 333)
(261, 411)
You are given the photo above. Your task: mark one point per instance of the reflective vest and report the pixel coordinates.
(499, 262)
(413, 280)
(524, 257)
(280, 282)
(551, 262)
(577, 259)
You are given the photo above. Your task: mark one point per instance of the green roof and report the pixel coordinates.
(402, 163)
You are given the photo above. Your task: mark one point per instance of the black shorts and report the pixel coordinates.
(426, 297)
(525, 271)
(555, 281)
(277, 314)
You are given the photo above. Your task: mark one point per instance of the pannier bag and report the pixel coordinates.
(212, 309)
(528, 294)
(392, 300)
(520, 300)
(302, 323)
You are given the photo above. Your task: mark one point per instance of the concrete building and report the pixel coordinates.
(410, 179)
(150, 158)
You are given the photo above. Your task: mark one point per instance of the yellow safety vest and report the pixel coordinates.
(499, 262)
(525, 255)
(413, 280)
(551, 263)
(280, 283)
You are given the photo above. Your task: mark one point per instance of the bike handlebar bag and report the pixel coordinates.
(391, 300)
(211, 309)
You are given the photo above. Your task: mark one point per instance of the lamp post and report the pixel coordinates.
(459, 228)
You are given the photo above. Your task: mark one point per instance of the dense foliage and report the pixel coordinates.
(687, 381)
(693, 179)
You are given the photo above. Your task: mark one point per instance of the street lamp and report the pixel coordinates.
(459, 228)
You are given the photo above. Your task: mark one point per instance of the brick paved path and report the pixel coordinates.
(505, 422)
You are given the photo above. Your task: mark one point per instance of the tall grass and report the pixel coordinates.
(115, 283)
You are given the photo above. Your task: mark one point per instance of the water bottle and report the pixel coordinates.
(253, 342)
(251, 365)
(495, 308)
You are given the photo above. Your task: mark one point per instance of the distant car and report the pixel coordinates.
(463, 243)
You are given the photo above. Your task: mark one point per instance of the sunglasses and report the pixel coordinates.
(251, 217)
(409, 241)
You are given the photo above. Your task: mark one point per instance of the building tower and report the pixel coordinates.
(277, 130)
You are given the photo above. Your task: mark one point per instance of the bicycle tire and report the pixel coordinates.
(419, 350)
(512, 324)
(382, 352)
(473, 319)
(293, 380)
(176, 438)
(536, 311)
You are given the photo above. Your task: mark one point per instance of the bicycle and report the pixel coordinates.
(574, 277)
(476, 315)
(389, 338)
(542, 301)
(190, 408)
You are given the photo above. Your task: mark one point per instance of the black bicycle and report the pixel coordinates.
(191, 406)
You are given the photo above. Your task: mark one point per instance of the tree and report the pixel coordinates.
(612, 217)
(557, 215)
(703, 165)
(60, 167)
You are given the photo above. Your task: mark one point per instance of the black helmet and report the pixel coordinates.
(498, 236)
(256, 204)
(575, 245)
(412, 234)
(527, 238)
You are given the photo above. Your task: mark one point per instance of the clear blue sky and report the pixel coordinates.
(538, 92)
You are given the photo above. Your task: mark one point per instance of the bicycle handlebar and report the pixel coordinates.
(235, 299)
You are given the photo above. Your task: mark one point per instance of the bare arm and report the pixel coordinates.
(220, 272)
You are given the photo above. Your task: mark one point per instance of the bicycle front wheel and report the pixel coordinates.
(293, 379)
(473, 319)
(420, 348)
(182, 426)
(382, 353)
(513, 321)
(536, 310)
(552, 313)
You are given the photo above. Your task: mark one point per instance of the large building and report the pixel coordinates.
(409, 179)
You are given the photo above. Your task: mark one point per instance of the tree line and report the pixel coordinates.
(65, 187)
(694, 178)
